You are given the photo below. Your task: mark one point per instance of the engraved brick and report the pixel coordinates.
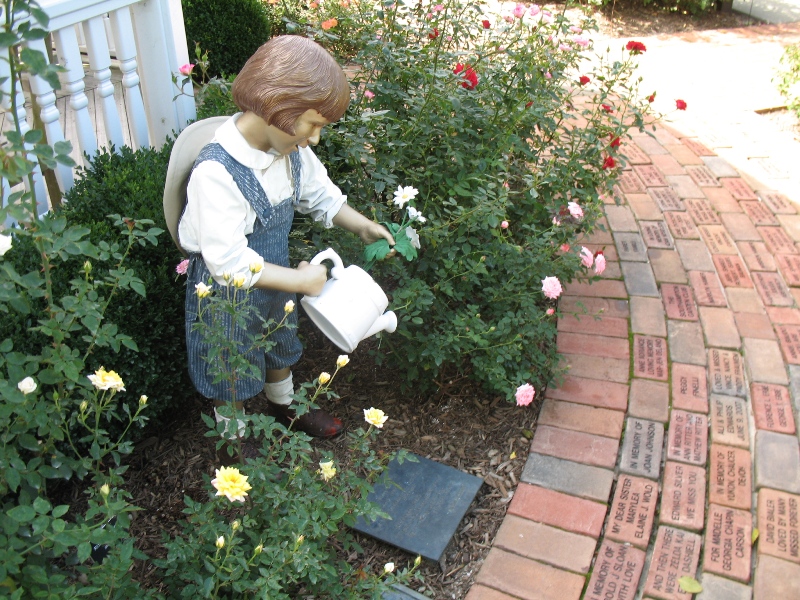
(702, 175)
(650, 357)
(780, 204)
(592, 345)
(740, 227)
(579, 417)
(650, 175)
(676, 553)
(772, 407)
(687, 437)
(702, 212)
(778, 515)
(707, 288)
(759, 213)
(679, 302)
(616, 574)
(634, 154)
(630, 183)
(727, 542)
(666, 198)
(512, 574)
(729, 480)
(732, 271)
(726, 373)
(683, 496)
(729, 421)
(655, 234)
(689, 388)
(686, 343)
(681, 225)
(772, 289)
(568, 477)
(576, 446)
(764, 361)
(789, 266)
(777, 240)
(632, 511)
(630, 246)
(756, 255)
(642, 448)
(694, 255)
(738, 188)
(667, 266)
(718, 239)
(603, 394)
(697, 147)
(649, 400)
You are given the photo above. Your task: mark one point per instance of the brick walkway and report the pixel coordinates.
(675, 434)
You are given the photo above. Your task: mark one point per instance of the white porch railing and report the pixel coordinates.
(145, 39)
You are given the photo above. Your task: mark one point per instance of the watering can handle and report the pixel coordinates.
(329, 254)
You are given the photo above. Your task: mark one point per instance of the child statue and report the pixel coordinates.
(241, 197)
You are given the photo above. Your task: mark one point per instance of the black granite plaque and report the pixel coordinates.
(425, 509)
(401, 592)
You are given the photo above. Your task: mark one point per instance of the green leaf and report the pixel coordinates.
(84, 551)
(690, 585)
(22, 513)
(754, 537)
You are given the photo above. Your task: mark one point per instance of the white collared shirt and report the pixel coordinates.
(218, 216)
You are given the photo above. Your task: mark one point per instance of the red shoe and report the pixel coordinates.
(316, 422)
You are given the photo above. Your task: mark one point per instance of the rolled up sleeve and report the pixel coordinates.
(319, 196)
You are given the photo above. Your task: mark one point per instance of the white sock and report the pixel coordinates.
(220, 419)
(280, 392)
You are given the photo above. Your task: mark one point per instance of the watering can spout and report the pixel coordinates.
(386, 322)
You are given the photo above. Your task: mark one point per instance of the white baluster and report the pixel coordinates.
(100, 63)
(69, 56)
(125, 45)
(50, 116)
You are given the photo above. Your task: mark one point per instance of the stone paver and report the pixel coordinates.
(685, 340)
(639, 279)
(776, 578)
(528, 579)
(579, 417)
(777, 461)
(649, 400)
(642, 448)
(569, 477)
(722, 588)
(575, 446)
(560, 510)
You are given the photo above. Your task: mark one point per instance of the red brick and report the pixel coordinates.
(649, 400)
(772, 407)
(675, 554)
(777, 240)
(776, 579)
(650, 357)
(599, 289)
(593, 345)
(603, 394)
(558, 509)
(782, 315)
(683, 154)
(722, 200)
(760, 213)
(729, 477)
(610, 326)
(632, 510)
(689, 388)
(575, 446)
(528, 579)
(667, 164)
(594, 306)
(480, 592)
(778, 525)
(596, 367)
(789, 266)
(579, 417)
(732, 271)
(687, 437)
(707, 288)
(683, 498)
(738, 188)
(772, 289)
(752, 325)
(789, 337)
(616, 572)
(728, 542)
(650, 175)
(757, 257)
(697, 147)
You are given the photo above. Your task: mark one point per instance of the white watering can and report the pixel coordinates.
(350, 306)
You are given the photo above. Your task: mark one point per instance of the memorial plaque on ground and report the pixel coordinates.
(689, 388)
(425, 509)
(772, 407)
(666, 198)
(702, 212)
(729, 477)
(687, 438)
(616, 572)
(651, 176)
(630, 246)
(697, 147)
(738, 188)
(655, 234)
(683, 496)
(401, 592)
(707, 288)
(675, 554)
(702, 175)
(729, 421)
(728, 542)
(779, 203)
(789, 337)
(779, 524)
(634, 154)
(642, 447)
(731, 271)
(678, 301)
(777, 240)
(772, 290)
(757, 256)
(632, 510)
(650, 357)
(726, 372)
(681, 225)
(629, 183)
(758, 213)
(718, 239)
(789, 265)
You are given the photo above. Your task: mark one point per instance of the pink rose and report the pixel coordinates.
(519, 11)
(550, 311)
(186, 69)
(575, 210)
(556, 221)
(525, 394)
(599, 263)
(547, 75)
(368, 95)
(438, 8)
(565, 247)
(535, 10)
(504, 224)
(182, 267)
(586, 257)
(564, 47)
(575, 29)
(551, 287)
(581, 40)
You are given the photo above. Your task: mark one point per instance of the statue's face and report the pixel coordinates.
(307, 129)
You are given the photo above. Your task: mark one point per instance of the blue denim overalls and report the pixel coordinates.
(270, 239)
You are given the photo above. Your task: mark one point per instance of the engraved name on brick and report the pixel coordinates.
(707, 288)
(718, 239)
(779, 524)
(702, 212)
(675, 554)
(651, 176)
(633, 510)
(642, 447)
(731, 271)
(687, 437)
(757, 256)
(630, 246)
(759, 213)
(777, 240)
(616, 572)
(729, 477)
(728, 542)
(630, 183)
(702, 175)
(772, 407)
(729, 421)
(779, 203)
(681, 225)
(789, 266)
(726, 372)
(683, 498)
(678, 301)
(738, 188)
(650, 358)
(666, 198)
(655, 234)
(789, 338)
(689, 388)
(772, 289)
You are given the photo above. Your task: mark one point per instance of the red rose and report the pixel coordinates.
(609, 163)
(607, 108)
(486, 24)
(598, 253)
(583, 80)
(434, 34)
(651, 97)
(469, 74)
(636, 47)
(680, 104)
(529, 104)
(615, 142)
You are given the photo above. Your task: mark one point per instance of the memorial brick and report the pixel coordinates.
(666, 198)
(687, 437)
(632, 510)
(702, 212)
(789, 266)
(718, 240)
(679, 302)
(726, 372)
(730, 480)
(689, 388)
(772, 407)
(676, 553)
(634, 154)
(630, 246)
(651, 176)
(789, 338)
(778, 517)
(731, 271)
(650, 357)
(738, 188)
(772, 289)
(630, 183)
(759, 213)
(780, 204)
(684, 495)
(729, 421)
(681, 225)
(616, 574)
(728, 542)
(642, 448)
(777, 240)
(707, 288)
(655, 234)
(757, 257)
(697, 147)
(702, 175)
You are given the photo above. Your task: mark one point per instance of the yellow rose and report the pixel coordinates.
(255, 267)
(324, 378)
(202, 290)
(288, 307)
(238, 280)
(220, 543)
(229, 482)
(142, 400)
(375, 416)
(107, 380)
(342, 361)
(327, 470)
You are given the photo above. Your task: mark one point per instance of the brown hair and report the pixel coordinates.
(286, 77)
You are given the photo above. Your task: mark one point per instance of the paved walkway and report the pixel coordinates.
(674, 438)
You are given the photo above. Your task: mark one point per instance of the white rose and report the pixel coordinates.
(27, 385)
(5, 244)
